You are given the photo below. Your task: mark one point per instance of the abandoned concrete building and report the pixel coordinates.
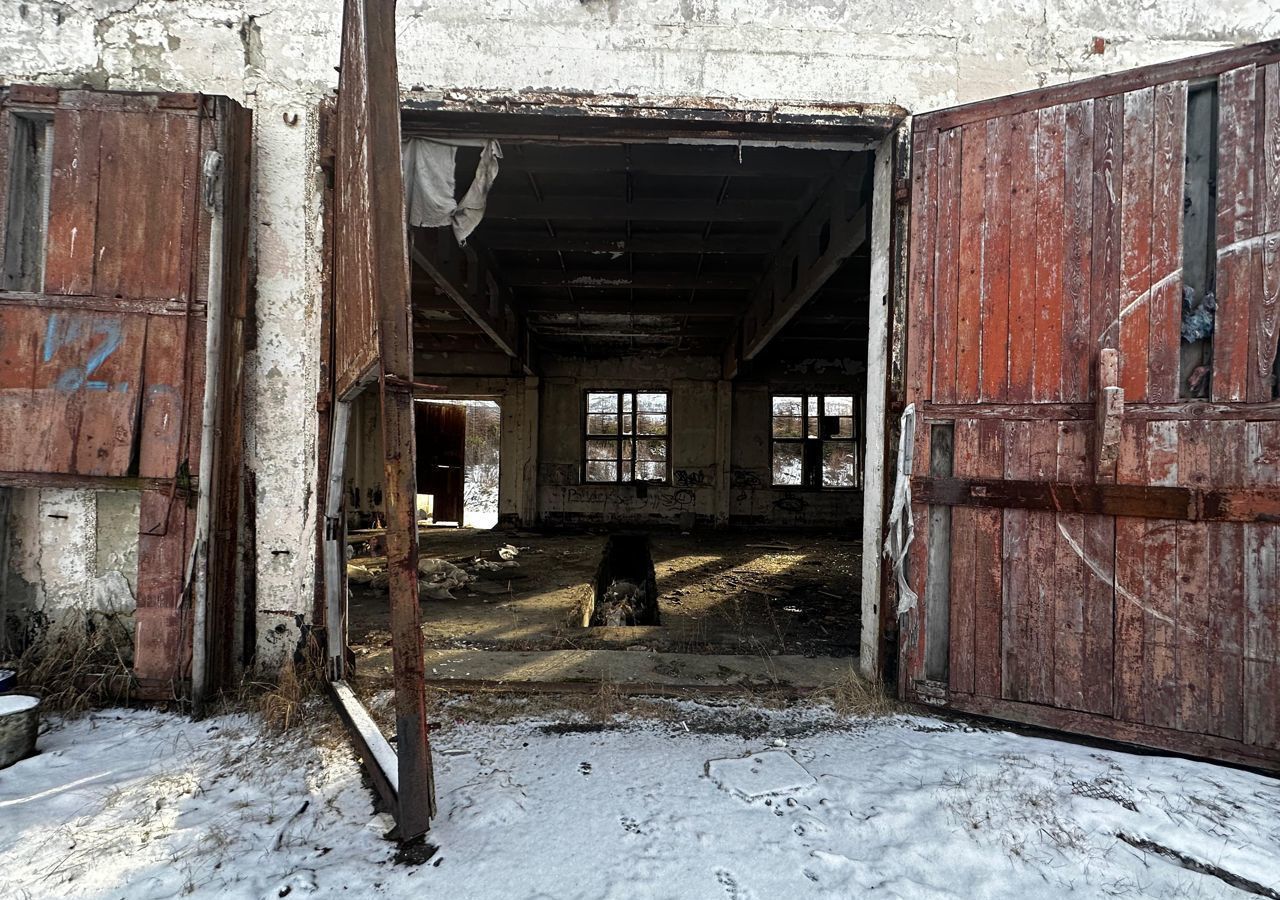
(692, 345)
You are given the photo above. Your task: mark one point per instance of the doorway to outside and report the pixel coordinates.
(458, 462)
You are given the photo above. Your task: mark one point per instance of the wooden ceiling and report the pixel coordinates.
(617, 248)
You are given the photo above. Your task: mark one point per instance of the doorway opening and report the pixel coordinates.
(458, 462)
(646, 300)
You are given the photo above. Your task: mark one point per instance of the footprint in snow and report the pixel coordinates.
(732, 889)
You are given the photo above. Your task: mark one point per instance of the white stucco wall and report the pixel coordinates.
(279, 58)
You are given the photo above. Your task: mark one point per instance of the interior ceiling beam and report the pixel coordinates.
(698, 309)
(661, 160)
(694, 243)
(617, 209)
(621, 280)
(468, 279)
(817, 246)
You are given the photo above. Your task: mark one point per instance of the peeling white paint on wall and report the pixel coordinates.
(279, 59)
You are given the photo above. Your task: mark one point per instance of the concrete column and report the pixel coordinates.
(724, 449)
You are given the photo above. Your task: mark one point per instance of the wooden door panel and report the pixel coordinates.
(1047, 228)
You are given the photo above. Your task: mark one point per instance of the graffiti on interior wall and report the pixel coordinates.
(791, 503)
(681, 499)
(690, 478)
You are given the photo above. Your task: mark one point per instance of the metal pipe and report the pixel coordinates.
(199, 577)
(334, 545)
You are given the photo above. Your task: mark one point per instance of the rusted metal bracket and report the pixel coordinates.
(1109, 416)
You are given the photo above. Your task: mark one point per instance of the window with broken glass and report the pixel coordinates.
(627, 437)
(815, 441)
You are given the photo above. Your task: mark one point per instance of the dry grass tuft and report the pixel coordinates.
(854, 695)
(80, 664)
(285, 703)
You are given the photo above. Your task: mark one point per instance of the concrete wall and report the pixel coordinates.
(279, 58)
(70, 553)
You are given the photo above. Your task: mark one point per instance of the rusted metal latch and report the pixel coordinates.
(1109, 415)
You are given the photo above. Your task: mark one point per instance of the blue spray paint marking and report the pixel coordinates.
(63, 332)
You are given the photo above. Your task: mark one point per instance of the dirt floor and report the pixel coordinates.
(718, 593)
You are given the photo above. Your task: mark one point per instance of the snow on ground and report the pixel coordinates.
(142, 804)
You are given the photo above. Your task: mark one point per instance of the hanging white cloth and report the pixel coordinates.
(430, 189)
(902, 526)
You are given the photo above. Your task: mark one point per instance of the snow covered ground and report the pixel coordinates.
(724, 803)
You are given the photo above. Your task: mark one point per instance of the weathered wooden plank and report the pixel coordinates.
(988, 566)
(1225, 640)
(1192, 652)
(1108, 179)
(1190, 69)
(1077, 351)
(1264, 326)
(144, 239)
(1042, 538)
(949, 639)
(1050, 214)
(924, 223)
(1070, 661)
(994, 286)
(947, 267)
(1130, 579)
(1186, 410)
(164, 389)
(160, 645)
(1108, 728)
(1237, 161)
(69, 388)
(973, 225)
(960, 556)
(1159, 588)
(73, 203)
(1015, 579)
(1261, 592)
(1164, 339)
(1023, 225)
(1135, 243)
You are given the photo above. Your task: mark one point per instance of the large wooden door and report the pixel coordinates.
(372, 349)
(442, 441)
(1096, 547)
(109, 207)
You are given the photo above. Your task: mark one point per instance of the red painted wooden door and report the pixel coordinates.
(1112, 575)
(373, 343)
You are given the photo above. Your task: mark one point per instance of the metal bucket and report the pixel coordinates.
(19, 723)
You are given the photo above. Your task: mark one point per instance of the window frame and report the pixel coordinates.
(855, 440)
(618, 437)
